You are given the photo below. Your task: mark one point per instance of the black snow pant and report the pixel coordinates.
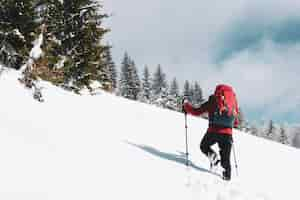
(224, 142)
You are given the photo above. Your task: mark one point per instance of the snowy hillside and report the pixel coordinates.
(106, 147)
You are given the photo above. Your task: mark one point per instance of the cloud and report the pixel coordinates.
(251, 44)
(265, 78)
(168, 32)
(262, 47)
(251, 32)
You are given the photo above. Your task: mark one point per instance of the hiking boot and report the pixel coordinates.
(226, 176)
(213, 159)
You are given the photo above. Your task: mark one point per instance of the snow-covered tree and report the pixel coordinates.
(254, 130)
(296, 137)
(159, 87)
(125, 78)
(197, 94)
(51, 18)
(82, 37)
(247, 126)
(174, 97)
(146, 86)
(159, 83)
(283, 136)
(129, 83)
(112, 72)
(136, 87)
(18, 23)
(51, 14)
(264, 128)
(271, 131)
(164, 100)
(187, 90)
(174, 88)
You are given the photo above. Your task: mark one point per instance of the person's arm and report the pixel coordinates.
(188, 107)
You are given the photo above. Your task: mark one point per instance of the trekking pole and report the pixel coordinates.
(186, 140)
(236, 166)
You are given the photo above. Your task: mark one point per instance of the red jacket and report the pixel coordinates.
(209, 107)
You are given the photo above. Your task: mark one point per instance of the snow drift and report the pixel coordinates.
(106, 147)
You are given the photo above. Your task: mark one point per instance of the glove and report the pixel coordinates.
(184, 101)
(236, 123)
(186, 106)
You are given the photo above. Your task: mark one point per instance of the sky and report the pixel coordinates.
(253, 45)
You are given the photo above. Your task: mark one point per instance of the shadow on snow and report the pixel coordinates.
(179, 158)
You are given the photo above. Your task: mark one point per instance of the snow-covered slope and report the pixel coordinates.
(106, 147)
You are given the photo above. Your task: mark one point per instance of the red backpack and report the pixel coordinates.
(227, 107)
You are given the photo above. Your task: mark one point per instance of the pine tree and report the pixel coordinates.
(18, 23)
(187, 91)
(136, 83)
(81, 43)
(49, 66)
(111, 67)
(283, 138)
(125, 78)
(129, 84)
(246, 126)
(51, 14)
(159, 82)
(197, 95)
(159, 87)
(296, 138)
(73, 50)
(164, 99)
(174, 97)
(174, 88)
(254, 130)
(146, 86)
(270, 132)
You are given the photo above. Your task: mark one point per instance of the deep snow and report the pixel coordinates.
(106, 147)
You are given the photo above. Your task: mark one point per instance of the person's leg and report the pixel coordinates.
(225, 144)
(207, 141)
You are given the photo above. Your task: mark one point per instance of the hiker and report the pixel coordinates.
(222, 109)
